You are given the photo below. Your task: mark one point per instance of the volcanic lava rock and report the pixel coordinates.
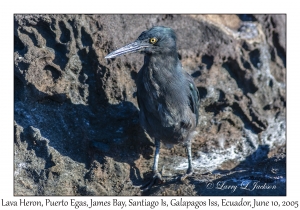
(76, 115)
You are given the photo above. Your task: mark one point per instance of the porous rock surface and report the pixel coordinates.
(76, 116)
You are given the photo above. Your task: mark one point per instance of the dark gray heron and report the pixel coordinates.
(167, 96)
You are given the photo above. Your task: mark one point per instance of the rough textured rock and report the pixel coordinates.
(76, 114)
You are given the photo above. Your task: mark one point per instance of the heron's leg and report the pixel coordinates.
(156, 156)
(156, 175)
(190, 169)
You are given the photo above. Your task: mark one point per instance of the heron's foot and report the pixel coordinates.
(155, 178)
(188, 173)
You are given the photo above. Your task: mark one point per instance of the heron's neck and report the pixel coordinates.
(164, 77)
(159, 62)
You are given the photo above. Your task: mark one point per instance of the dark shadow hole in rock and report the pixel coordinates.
(179, 56)
(250, 85)
(247, 65)
(208, 60)
(81, 91)
(273, 56)
(246, 17)
(219, 127)
(99, 26)
(86, 38)
(255, 58)
(229, 66)
(246, 46)
(237, 110)
(133, 75)
(124, 94)
(49, 162)
(23, 66)
(54, 72)
(61, 58)
(271, 83)
(82, 78)
(33, 173)
(267, 107)
(280, 50)
(221, 95)
(234, 70)
(196, 74)
(202, 92)
(282, 99)
(236, 97)
(215, 108)
(128, 65)
(18, 44)
(230, 121)
(65, 33)
(134, 94)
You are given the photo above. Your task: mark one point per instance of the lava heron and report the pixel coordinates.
(167, 96)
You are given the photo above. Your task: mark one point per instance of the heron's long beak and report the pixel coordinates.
(132, 47)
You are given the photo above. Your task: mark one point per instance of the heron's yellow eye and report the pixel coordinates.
(153, 40)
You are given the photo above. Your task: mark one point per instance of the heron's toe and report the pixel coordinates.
(156, 178)
(187, 174)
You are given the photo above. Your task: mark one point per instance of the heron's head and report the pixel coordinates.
(157, 40)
